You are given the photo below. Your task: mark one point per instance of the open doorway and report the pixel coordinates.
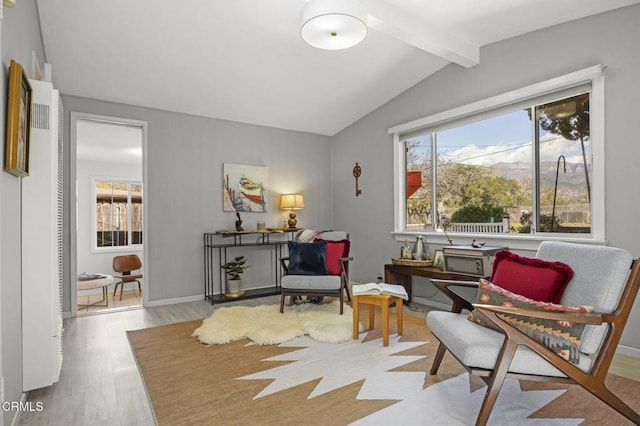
(109, 217)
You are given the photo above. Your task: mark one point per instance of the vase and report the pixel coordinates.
(419, 249)
(233, 286)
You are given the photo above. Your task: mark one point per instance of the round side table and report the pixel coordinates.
(101, 282)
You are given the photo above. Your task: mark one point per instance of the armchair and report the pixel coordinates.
(331, 282)
(605, 278)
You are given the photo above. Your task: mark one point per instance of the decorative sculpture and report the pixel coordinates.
(239, 223)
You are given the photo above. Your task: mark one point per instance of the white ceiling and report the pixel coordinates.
(244, 60)
(108, 142)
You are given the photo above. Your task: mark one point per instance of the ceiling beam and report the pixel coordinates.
(426, 36)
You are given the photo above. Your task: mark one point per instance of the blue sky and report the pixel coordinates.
(506, 138)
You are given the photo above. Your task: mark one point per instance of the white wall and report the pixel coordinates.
(88, 260)
(609, 39)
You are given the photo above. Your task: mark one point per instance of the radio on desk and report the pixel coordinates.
(469, 260)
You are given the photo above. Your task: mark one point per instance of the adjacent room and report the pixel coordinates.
(319, 212)
(109, 212)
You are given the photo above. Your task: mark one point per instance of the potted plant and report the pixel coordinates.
(234, 268)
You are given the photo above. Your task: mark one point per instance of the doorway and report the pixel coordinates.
(109, 219)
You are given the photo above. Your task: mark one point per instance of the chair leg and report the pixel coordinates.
(115, 288)
(496, 380)
(282, 296)
(139, 287)
(346, 287)
(437, 360)
(600, 391)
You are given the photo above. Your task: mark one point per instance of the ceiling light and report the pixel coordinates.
(333, 24)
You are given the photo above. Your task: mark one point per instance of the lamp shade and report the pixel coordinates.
(291, 201)
(333, 24)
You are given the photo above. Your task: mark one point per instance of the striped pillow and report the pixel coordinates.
(562, 337)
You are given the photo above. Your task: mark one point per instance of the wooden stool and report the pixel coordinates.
(384, 301)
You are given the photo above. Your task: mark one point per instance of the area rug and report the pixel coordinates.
(265, 325)
(303, 381)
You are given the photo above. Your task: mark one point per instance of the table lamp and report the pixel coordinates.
(292, 202)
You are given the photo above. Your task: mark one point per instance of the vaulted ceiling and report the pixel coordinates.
(244, 60)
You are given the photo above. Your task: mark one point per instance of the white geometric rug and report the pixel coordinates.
(450, 402)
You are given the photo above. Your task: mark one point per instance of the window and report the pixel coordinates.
(524, 163)
(118, 213)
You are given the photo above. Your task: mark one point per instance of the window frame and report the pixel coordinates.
(94, 218)
(592, 75)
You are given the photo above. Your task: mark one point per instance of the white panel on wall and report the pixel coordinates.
(42, 245)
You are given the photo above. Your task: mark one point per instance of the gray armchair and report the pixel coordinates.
(328, 283)
(606, 278)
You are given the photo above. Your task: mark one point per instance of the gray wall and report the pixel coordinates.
(20, 33)
(184, 188)
(610, 39)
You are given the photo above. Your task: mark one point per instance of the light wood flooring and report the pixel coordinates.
(93, 304)
(100, 383)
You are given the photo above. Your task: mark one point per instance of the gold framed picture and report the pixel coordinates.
(16, 151)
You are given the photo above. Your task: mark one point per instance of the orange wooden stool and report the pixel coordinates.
(373, 300)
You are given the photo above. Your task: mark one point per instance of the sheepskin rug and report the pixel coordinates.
(265, 325)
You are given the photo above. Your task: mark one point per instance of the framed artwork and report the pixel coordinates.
(16, 151)
(243, 188)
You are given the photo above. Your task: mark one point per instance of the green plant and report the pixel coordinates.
(547, 223)
(235, 268)
(472, 213)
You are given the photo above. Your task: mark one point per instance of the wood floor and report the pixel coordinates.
(100, 383)
(93, 304)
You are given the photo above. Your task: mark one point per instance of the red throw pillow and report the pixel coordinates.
(335, 250)
(536, 279)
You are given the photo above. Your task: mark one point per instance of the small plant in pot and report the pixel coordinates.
(234, 268)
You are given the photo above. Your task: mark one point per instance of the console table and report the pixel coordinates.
(401, 274)
(216, 245)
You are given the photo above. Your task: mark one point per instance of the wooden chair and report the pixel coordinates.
(606, 278)
(317, 285)
(125, 265)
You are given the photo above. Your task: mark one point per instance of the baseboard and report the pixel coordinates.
(628, 351)
(196, 298)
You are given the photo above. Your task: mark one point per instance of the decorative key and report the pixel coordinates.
(357, 171)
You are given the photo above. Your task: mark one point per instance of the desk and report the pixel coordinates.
(103, 281)
(402, 275)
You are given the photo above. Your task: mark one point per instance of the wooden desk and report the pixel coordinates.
(402, 275)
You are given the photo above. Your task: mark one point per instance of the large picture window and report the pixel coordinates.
(118, 213)
(519, 166)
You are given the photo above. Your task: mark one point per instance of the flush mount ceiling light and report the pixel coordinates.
(333, 24)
